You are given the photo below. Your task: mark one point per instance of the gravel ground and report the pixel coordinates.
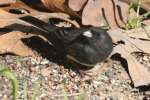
(49, 81)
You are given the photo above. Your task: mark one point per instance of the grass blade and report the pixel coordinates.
(6, 72)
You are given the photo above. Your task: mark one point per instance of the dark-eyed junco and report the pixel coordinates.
(86, 45)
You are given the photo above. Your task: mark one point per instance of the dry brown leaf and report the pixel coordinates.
(11, 43)
(96, 12)
(11, 40)
(91, 12)
(76, 5)
(136, 44)
(4, 2)
(6, 18)
(139, 74)
(58, 5)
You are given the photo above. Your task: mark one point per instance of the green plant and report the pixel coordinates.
(65, 90)
(136, 21)
(25, 89)
(35, 91)
(6, 72)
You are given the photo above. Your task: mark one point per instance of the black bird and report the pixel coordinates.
(86, 45)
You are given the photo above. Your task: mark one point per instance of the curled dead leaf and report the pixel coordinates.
(139, 74)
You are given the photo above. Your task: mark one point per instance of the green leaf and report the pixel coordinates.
(134, 23)
(65, 90)
(133, 4)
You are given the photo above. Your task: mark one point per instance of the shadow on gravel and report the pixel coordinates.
(123, 61)
(144, 88)
(48, 51)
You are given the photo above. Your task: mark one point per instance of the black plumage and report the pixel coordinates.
(86, 46)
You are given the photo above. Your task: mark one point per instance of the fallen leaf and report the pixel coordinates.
(7, 18)
(137, 45)
(100, 12)
(76, 5)
(57, 5)
(5, 2)
(139, 74)
(11, 43)
(91, 12)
